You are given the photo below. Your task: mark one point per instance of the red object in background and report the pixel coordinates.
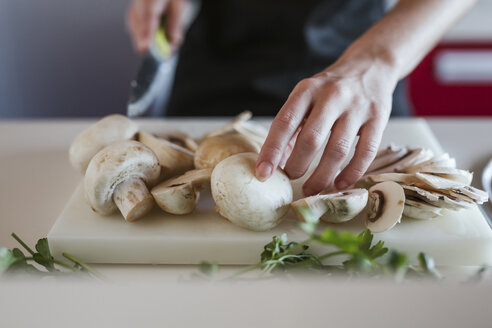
(431, 96)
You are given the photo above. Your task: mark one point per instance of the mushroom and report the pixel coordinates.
(109, 129)
(246, 201)
(214, 149)
(413, 157)
(336, 207)
(387, 156)
(385, 206)
(180, 195)
(244, 116)
(118, 176)
(174, 160)
(420, 210)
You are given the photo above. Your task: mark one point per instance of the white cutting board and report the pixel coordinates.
(459, 238)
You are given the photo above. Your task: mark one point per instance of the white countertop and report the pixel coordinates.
(36, 180)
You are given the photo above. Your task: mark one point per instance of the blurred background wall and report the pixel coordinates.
(66, 58)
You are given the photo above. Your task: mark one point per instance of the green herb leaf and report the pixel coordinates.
(7, 258)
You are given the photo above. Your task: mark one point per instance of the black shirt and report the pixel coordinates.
(249, 54)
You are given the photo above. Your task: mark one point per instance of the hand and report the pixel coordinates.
(352, 97)
(143, 19)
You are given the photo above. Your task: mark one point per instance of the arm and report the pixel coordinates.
(353, 96)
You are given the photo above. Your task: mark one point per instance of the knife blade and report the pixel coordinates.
(156, 64)
(487, 186)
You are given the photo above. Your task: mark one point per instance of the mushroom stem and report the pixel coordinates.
(133, 199)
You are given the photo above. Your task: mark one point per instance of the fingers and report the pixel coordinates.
(311, 138)
(283, 128)
(289, 148)
(365, 151)
(174, 23)
(336, 151)
(144, 17)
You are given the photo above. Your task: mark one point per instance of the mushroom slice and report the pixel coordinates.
(244, 116)
(180, 195)
(387, 156)
(174, 160)
(109, 129)
(253, 131)
(246, 201)
(443, 160)
(337, 207)
(413, 157)
(420, 209)
(435, 198)
(118, 176)
(419, 213)
(214, 149)
(473, 194)
(403, 178)
(181, 139)
(450, 173)
(385, 206)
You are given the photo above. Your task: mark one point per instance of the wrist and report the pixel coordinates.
(365, 56)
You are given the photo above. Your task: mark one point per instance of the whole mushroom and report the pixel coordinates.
(118, 176)
(246, 201)
(109, 129)
(212, 150)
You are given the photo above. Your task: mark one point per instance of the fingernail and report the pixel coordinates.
(342, 184)
(308, 192)
(264, 171)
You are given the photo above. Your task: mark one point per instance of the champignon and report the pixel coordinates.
(214, 149)
(180, 195)
(244, 116)
(336, 207)
(246, 201)
(118, 176)
(385, 206)
(109, 129)
(174, 160)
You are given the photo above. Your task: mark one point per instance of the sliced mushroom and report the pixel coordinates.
(180, 195)
(403, 178)
(109, 129)
(413, 157)
(174, 160)
(229, 127)
(385, 206)
(435, 198)
(253, 131)
(387, 156)
(214, 149)
(337, 207)
(118, 176)
(246, 201)
(419, 209)
(443, 160)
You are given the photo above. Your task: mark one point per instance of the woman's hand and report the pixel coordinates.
(352, 97)
(144, 16)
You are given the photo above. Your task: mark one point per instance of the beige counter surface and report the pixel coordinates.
(36, 180)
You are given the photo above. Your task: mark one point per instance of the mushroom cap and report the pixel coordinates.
(114, 164)
(109, 129)
(386, 202)
(214, 149)
(246, 201)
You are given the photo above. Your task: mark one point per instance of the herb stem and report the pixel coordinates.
(84, 266)
(27, 248)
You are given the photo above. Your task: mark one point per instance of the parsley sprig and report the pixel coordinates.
(361, 256)
(40, 262)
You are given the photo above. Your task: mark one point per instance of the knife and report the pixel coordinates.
(156, 65)
(487, 186)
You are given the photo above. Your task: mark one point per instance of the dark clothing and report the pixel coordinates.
(249, 54)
